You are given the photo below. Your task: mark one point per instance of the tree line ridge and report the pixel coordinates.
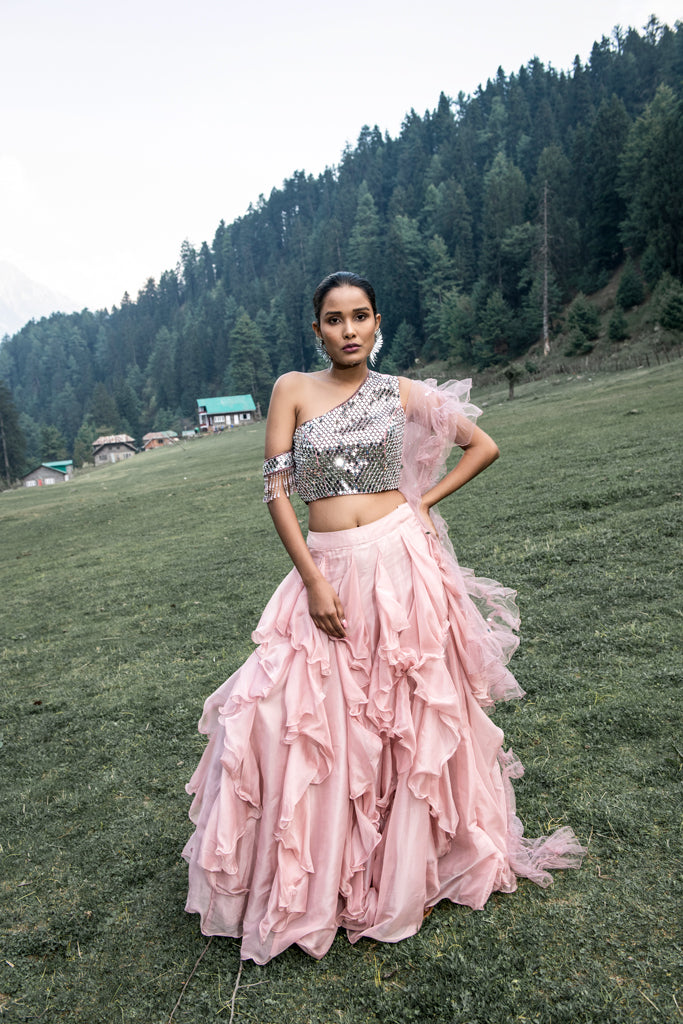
(479, 218)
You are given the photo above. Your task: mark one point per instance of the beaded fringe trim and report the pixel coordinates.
(278, 476)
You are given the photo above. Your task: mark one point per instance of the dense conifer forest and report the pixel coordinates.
(539, 185)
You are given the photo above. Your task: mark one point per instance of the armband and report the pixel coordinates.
(278, 476)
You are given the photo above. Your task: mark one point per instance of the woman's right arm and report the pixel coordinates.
(323, 601)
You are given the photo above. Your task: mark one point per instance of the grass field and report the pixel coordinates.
(130, 594)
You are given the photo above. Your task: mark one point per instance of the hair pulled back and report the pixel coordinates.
(342, 279)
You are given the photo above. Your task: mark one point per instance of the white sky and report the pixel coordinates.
(128, 126)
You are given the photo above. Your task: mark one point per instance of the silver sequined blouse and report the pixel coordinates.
(354, 448)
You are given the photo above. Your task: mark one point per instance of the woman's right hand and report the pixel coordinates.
(326, 609)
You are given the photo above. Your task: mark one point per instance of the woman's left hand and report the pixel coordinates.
(426, 518)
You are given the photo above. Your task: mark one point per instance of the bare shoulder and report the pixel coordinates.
(287, 390)
(294, 393)
(295, 381)
(289, 382)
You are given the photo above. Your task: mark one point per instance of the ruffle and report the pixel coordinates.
(437, 418)
(353, 783)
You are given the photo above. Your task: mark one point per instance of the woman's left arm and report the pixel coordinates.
(481, 451)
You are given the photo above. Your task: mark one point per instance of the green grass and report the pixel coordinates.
(130, 594)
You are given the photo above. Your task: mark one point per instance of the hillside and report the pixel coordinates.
(483, 215)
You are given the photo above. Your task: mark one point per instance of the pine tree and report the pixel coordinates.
(12, 442)
(249, 371)
(404, 347)
(495, 328)
(617, 329)
(606, 205)
(83, 452)
(583, 317)
(504, 199)
(103, 410)
(651, 181)
(364, 243)
(630, 291)
(439, 280)
(668, 302)
(52, 444)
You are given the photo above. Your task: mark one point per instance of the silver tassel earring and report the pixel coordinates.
(379, 341)
(323, 351)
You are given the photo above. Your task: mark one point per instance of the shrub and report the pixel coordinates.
(578, 344)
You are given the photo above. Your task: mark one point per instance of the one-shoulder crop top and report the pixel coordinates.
(354, 448)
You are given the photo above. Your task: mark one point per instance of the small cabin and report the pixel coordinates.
(226, 412)
(49, 473)
(158, 439)
(112, 448)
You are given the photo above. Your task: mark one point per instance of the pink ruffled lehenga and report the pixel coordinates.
(356, 783)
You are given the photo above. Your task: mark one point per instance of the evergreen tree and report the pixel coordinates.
(364, 243)
(504, 199)
(404, 347)
(83, 451)
(401, 294)
(52, 444)
(128, 407)
(31, 432)
(668, 302)
(161, 369)
(103, 410)
(630, 291)
(249, 371)
(605, 205)
(495, 327)
(617, 329)
(12, 441)
(459, 326)
(651, 181)
(439, 280)
(583, 317)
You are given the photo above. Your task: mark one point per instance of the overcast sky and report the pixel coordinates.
(127, 127)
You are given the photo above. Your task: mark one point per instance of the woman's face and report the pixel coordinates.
(347, 326)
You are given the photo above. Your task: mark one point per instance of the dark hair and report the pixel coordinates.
(342, 279)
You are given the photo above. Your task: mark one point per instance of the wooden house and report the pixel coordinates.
(229, 411)
(112, 448)
(158, 439)
(49, 473)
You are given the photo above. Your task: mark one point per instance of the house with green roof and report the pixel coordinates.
(49, 473)
(229, 411)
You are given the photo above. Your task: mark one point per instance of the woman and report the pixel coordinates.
(352, 778)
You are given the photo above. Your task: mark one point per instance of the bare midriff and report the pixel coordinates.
(345, 511)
